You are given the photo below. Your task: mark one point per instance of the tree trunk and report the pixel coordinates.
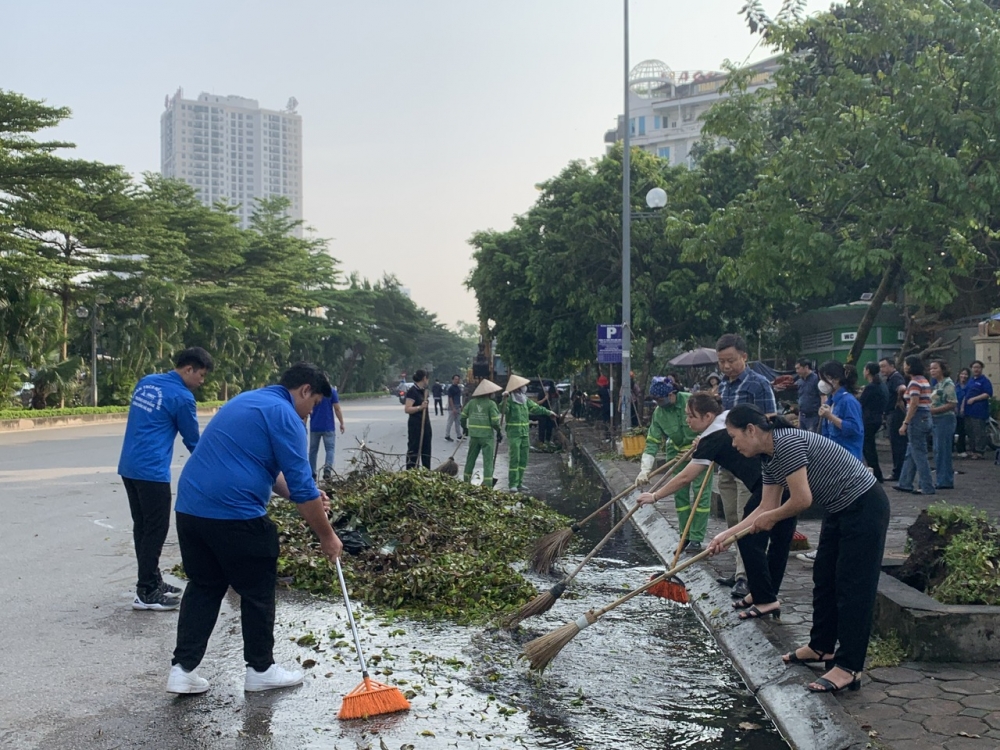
(348, 370)
(889, 278)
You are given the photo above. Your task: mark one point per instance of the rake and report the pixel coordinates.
(542, 650)
(551, 547)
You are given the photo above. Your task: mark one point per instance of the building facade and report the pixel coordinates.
(230, 150)
(665, 107)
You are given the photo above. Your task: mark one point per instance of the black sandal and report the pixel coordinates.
(793, 658)
(827, 686)
(753, 613)
(742, 604)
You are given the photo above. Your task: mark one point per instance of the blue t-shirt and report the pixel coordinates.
(161, 407)
(851, 434)
(247, 444)
(321, 419)
(809, 400)
(976, 387)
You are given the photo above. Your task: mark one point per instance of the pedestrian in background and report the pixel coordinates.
(976, 410)
(454, 409)
(415, 405)
(963, 380)
(916, 428)
(807, 383)
(895, 411)
(481, 421)
(162, 405)
(437, 391)
(841, 414)
(873, 400)
(944, 403)
(254, 446)
(550, 403)
(604, 394)
(322, 427)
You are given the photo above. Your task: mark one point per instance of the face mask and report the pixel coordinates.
(825, 388)
(520, 395)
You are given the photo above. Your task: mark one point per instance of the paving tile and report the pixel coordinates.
(890, 701)
(970, 687)
(976, 713)
(900, 729)
(993, 719)
(877, 713)
(970, 743)
(946, 673)
(990, 702)
(915, 690)
(923, 743)
(895, 675)
(932, 707)
(952, 725)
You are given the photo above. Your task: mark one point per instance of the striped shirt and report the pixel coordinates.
(836, 478)
(748, 387)
(918, 388)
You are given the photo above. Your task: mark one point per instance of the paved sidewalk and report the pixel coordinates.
(915, 706)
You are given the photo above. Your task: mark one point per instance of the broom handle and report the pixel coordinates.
(350, 617)
(664, 576)
(607, 537)
(694, 507)
(628, 490)
(458, 444)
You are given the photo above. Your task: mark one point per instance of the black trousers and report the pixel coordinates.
(845, 578)
(438, 406)
(546, 428)
(960, 432)
(765, 556)
(412, 445)
(896, 441)
(870, 452)
(150, 506)
(218, 554)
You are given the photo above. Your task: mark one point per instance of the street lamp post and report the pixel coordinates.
(626, 385)
(83, 312)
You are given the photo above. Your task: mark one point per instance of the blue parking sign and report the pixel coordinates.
(609, 344)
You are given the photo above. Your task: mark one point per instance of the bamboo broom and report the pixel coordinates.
(675, 590)
(543, 602)
(551, 547)
(542, 650)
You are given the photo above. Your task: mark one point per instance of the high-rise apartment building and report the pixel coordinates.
(230, 150)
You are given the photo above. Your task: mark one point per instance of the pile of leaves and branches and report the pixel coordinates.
(436, 547)
(954, 556)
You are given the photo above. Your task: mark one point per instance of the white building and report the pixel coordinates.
(665, 107)
(230, 150)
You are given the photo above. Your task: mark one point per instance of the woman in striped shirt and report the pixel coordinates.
(917, 427)
(816, 470)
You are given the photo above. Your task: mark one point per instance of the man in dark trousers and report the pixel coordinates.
(415, 405)
(809, 400)
(254, 446)
(438, 391)
(162, 405)
(895, 413)
(454, 408)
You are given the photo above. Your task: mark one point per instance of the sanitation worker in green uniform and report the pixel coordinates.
(480, 420)
(669, 426)
(517, 408)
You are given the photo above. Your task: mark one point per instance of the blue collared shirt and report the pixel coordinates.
(748, 387)
(254, 437)
(161, 407)
(851, 434)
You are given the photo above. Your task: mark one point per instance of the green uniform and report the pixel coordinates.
(669, 429)
(481, 418)
(517, 416)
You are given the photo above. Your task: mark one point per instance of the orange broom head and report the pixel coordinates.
(672, 590)
(799, 542)
(372, 698)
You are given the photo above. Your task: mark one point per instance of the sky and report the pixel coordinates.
(423, 122)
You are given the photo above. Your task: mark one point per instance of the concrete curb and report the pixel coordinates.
(820, 722)
(76, 420)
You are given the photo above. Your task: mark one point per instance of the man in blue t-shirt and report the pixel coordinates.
(321, 427)
(162, 405)
(254, 446)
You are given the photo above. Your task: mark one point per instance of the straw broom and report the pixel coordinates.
(542, 650)
(370, 698)
(551, 547)
(675, 590)
(542, 603)
(449, 467)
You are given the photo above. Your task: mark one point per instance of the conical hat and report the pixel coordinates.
(485, 388)
(515, 382)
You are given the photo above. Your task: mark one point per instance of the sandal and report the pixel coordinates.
(753, 613)
(793, 658)
(827, 686)
(742, 604)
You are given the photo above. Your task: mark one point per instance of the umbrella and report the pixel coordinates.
(696, 358)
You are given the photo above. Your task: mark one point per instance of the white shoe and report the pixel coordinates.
(185, 683)
(275, 677)
(808, 557)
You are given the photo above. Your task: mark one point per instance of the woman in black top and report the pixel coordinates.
(874, 399)
(764, 555)
(849, 555)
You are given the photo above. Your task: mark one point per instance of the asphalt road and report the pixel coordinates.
(73, 649)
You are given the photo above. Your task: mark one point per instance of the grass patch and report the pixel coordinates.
(886, 651)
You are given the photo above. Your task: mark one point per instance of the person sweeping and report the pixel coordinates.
(480, 420)
(669, 425)
(517, 409)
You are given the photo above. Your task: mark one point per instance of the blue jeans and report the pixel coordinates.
(916, 461)
(944, 437)
(329, 440)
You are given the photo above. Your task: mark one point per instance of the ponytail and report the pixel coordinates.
(744, 415)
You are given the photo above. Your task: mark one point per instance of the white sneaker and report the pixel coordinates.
(185, 683)
(275, 677)
(807, 557)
